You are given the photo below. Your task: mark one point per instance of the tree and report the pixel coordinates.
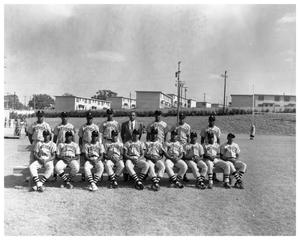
(104, 94)
(12, 101)
(41, 101)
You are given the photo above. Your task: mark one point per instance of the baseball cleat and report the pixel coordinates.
(155, 187)
(41, 189)
(139, 185)
(68, 185)
(202, 185)
(94, 187)
(34, 189)
(179, 184)
(114, 184)
(239, 185)
(227, 185)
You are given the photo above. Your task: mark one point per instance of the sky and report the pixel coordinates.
(79, 49)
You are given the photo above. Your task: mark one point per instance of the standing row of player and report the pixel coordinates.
(107, 152)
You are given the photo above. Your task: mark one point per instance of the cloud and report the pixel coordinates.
(287, 18)
(107, 56)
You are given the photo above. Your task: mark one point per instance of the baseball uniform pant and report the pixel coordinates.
(180, 164)
(217, 163)
(141, 164)
(109, 165)
(195, 166)
(237, 166)
(61, 165)
(161, 169)
(36, 165)
(88, 166)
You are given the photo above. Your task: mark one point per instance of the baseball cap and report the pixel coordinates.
(63, 114)
(193, 134)
(95, 133)
(109, 111)
(212, 118)
(40, 113)
(46, 132)
(182, 115)
(89, 115)
(135, 132)
(231, 135)
(114, 133)
(157, 113)
(68, 133)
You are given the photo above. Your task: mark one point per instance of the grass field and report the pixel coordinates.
(267, 205)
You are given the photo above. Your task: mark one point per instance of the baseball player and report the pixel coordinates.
(212, 158)
(44, 154)
(108, 126)
(61, 129)
(183, 134)
(35, 132)
(154, 153)
(114, 157)
(85, 136)
(173, 151)
(161, 127)
(68, 154)
(193, 155)
(230, 152)
(134, 156)
(93, 159)
(211, 128)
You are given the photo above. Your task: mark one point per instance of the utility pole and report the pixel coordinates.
(33, 102)
(225, 77)
(14, 100)
(185, 100)
(177, 75)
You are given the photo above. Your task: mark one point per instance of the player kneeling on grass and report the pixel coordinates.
(154, 154)
(212, 159)
(173, 151)
(68, 154)
(44, 154)
(93, 159)
(230, 152)
(193, 155)
(114, 157)
(134, 155)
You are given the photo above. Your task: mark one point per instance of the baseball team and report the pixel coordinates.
(118, 150)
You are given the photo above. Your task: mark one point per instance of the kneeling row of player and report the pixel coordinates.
(116, 158)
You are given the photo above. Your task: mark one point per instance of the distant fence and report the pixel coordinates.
(173, 112)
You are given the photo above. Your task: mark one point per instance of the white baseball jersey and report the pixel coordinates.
(134, 148)
(161, 127)
(36, 130)
(192, 150)
(60, 131)
(68, 149)
(94, 150)
(85, 132)
(230, 150)
(45, 150)
(114, 149)
(211, 149)
(173, 148)
(106, 128)
(183, 131)
(215, 130)
(153, 148)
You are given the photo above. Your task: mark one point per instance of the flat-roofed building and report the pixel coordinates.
(152, 100)
(73, 103)
(203, 105)
(263, 100)
(122, 102)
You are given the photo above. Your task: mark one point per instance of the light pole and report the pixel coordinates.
(177, 75)
(225, 77)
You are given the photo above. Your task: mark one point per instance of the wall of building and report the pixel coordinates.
(147, 100)
(116, 103)
(241, 101)
(165, 101)
(64, 103)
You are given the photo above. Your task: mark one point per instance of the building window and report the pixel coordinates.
(277, 98)
(286, 98)
(261, 97)
(94, 108)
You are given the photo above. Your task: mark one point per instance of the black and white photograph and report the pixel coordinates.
(149, 119)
